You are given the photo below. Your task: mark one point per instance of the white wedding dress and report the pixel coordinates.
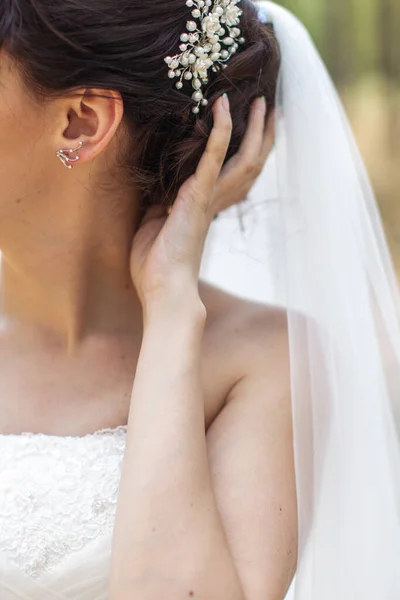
(58, 498)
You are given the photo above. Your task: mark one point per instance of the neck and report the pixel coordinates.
(65, 265)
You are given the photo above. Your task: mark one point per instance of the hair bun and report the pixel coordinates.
(121, 46)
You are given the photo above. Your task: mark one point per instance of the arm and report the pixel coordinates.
(170, 540)
(250, 449)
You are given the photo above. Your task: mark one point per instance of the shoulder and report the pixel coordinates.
(245, 339)
(243, 324)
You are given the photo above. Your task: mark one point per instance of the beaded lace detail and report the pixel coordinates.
(56, 494)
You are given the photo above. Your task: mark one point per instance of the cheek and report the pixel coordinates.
(20, 143)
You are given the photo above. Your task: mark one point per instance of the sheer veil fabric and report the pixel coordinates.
(326, 260)
(310, 239)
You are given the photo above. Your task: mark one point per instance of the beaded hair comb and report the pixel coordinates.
(209, 41)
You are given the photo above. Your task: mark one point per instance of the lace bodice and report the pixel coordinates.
(57, 494)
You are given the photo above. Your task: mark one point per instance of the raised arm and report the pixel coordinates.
(169, 541)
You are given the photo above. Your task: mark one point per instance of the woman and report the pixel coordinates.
(107, 329)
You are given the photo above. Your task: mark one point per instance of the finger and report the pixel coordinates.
(211, 162)
(269, 136)
(154, 212)
(242, 170)
(252, 143)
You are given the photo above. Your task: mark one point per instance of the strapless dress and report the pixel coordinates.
(58, 498)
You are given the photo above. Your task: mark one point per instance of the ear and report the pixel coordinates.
(91, 116)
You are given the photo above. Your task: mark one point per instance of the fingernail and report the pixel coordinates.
(262, 104)
(225, 102)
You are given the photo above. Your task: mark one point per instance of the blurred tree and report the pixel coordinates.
(360, 42)
(339, 40)
(389, 29)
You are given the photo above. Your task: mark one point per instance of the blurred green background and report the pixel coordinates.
(360, 43)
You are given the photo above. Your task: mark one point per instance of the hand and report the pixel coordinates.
(241, 171)
(167, 249)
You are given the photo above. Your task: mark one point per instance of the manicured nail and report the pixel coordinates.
(225, 102)
(262, 104)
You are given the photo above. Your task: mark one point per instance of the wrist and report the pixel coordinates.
(185, 308)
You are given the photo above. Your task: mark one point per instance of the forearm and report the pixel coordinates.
(169, 540)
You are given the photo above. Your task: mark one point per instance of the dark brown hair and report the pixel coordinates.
(63, 45)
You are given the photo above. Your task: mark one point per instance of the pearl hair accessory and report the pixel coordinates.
(209, 41)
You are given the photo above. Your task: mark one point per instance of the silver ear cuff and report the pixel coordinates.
(65, 159)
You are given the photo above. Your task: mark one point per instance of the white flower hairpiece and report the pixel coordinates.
(208, 43)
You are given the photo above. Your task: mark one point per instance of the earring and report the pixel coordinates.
(61, 154)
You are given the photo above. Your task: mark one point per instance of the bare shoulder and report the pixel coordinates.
(242, 338)
(245, 326)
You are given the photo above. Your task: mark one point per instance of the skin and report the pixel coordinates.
(90, 290)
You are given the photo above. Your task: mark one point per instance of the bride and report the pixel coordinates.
(201, 371)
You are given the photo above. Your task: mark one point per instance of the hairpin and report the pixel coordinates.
(209, 41)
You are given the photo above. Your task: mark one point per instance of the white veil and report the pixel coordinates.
(313, 241)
